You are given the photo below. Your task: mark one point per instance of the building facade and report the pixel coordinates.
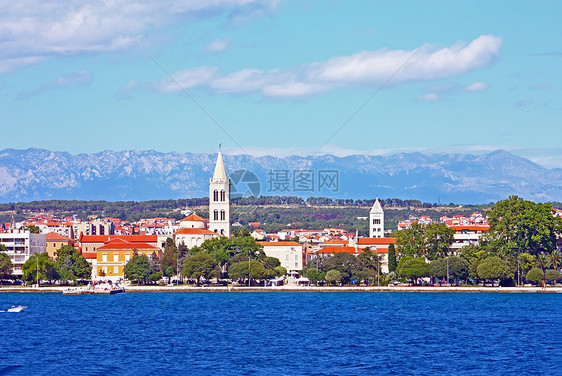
(20, 245)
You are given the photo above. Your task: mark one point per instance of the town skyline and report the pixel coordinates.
(473, 77)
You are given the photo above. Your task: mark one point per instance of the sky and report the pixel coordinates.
(283, 77)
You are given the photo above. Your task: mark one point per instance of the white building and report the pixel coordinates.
(290, 254)
(20, 245)
(219, 200)
(376, 221)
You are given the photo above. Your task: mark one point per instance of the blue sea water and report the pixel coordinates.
(282, 334)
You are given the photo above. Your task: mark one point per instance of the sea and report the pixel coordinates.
(277, 333)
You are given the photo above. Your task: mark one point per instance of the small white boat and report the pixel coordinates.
(19, 308)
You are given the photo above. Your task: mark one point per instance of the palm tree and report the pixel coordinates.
(554, 259)
(543, 261)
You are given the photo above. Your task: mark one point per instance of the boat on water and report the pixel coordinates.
(18, 308)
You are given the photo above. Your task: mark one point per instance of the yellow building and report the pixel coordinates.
(113, 256)
(55, 241)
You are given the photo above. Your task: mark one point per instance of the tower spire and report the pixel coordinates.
(220, 172)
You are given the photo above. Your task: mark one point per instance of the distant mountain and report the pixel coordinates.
(37, 174)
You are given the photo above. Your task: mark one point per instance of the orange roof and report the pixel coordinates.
(109, 238)
(131, 246)
(53, 236)
(193, 217)
(471, 228)
(335, 241)
(195, 231)
(376, 241)
(90, 255)
(279, 244)
(339, 250)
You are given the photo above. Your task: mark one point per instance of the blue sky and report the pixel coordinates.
(283, 77)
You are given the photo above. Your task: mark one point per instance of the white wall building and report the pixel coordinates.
(290, 254)
(20, 245)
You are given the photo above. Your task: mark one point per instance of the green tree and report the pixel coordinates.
(415, 268)
(493, 268)
(33, 229)
(391, 258)
(138, 268)
(46, 270)
(244, 270)
(169, 260)
(347, 264)
(200, 266)
(517, 225)
(458, 268)
(6, 265)
(438, 238)
(333, 276)
(554, 259)
(71, 265)
(280, 271)
(552, 275)
(411, 241)
(535, 275)
(315, 276)
(473, 255)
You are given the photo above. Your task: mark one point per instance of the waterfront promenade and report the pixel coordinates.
(292, 288)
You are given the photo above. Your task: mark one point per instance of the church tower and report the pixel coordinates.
(376, 221)
(219, 200)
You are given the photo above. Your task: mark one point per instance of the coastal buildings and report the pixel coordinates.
(54, 241)
(20, 245)
(289, 253)
(113, 256)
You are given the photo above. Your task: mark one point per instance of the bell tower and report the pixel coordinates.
(219, 200)
(376, 221)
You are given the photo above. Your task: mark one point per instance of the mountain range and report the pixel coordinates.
(138, 175)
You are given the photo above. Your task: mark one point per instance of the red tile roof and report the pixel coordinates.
(194, 231)
(126, 238)
(53, 236)
(339, 250)
(376, 241)
(131, 246)
(193, 217)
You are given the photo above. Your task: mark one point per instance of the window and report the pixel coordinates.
(115, 257)
(287, 258)
(223, 215)
(296, 257)
(116, 270)
(104, 257)
(104, 270)
(377, 221)
(296, 265)
(223, 195)
(127, 257)
(215, 195)
(216, 215)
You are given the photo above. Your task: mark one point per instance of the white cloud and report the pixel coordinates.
(477, 86)
(186, 79)
(429, 97)
(368, 68)
(73, 79)
(218, 45)
(32, 30)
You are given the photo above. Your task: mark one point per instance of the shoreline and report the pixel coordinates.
(363, 289)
